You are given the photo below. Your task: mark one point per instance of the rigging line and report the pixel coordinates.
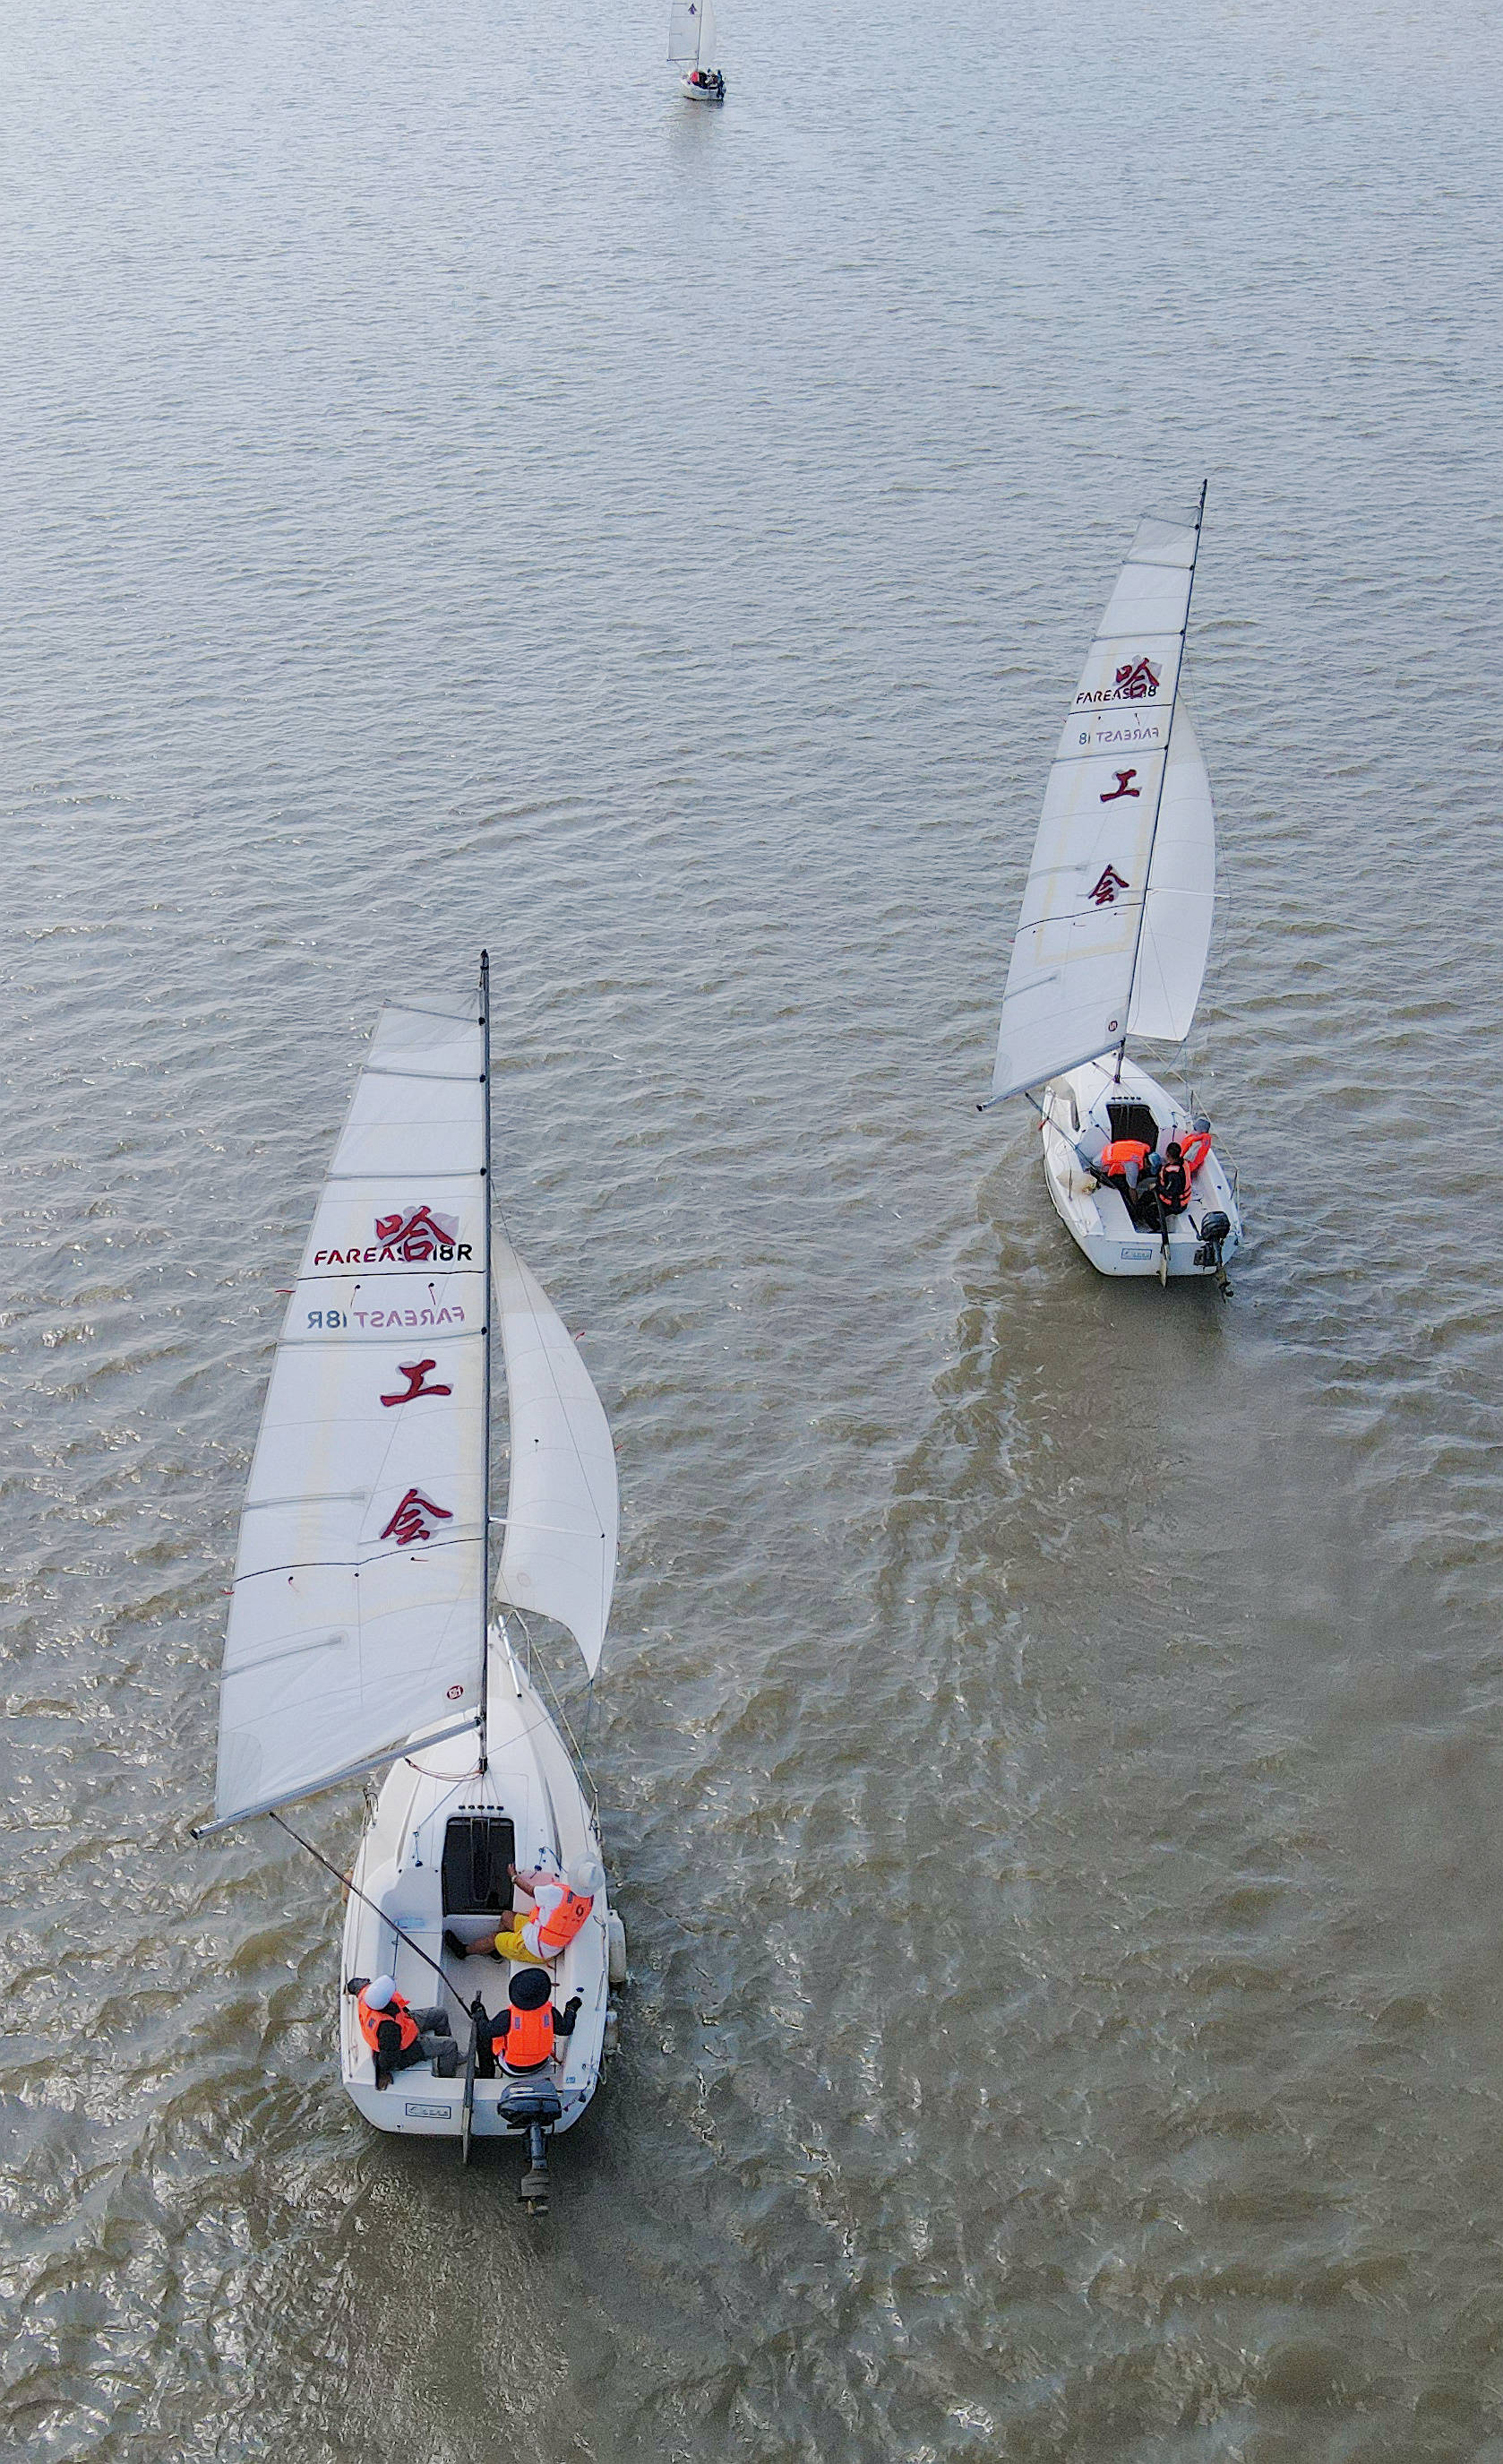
(343, 1880)
(488, 1311)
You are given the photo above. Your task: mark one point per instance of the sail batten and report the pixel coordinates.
(1098, 951)
(357, 1611)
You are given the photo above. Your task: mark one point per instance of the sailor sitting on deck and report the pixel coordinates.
(1172, 1180)
(544, 1931)
(397, 2034)
(522, 2035)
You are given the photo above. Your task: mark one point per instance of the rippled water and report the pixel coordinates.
(1049, 1746)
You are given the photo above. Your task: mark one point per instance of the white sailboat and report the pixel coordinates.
(691, 43)
(360, 1630)
(1113, 939)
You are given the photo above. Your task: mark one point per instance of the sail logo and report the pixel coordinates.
(420, 1239)
(410, 1521)
(1104, 894)
(418, 1236)
(416, 1373)
(1124, 787)
(1136, 680)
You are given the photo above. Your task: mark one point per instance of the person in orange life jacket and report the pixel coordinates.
(522, 2036)
(1172, 1180)
(1197, 1146)
(544, 1931)
(397, 2034)
(1121, 1159)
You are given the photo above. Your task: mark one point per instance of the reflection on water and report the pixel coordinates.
(1047, 1743)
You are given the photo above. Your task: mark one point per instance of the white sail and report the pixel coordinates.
(1182, 895)
(704, 56)
(358, 1617)
(1071, 987)
(683, 29)
(559, 1557)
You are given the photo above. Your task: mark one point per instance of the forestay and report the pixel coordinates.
(357, 1618)
(1115, 917)
(559, 1557)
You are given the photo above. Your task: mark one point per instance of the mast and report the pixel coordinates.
(1157, 801)
(489, 1307)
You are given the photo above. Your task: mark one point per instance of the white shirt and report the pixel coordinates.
(549, 1895)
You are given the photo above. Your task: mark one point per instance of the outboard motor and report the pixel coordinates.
(536, 2109)
(1214, 1231)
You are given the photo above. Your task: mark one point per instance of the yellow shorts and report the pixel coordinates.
(511, 1946)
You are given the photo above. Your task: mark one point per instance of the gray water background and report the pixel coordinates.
(454, 490)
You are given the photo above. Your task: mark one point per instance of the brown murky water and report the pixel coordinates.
(1049, 1741)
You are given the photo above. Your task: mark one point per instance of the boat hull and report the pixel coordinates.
(1095, 1215)
(530, 1784)
(715, 92)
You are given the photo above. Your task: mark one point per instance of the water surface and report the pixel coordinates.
(455, 491)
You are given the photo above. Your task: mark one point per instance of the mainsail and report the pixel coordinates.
(357, 1625)
(1116, 919)
(685, 29)
(560, 1555)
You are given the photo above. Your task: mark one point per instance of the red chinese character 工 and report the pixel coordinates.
(407, 1524)
(1124, 787)
(416, 1371)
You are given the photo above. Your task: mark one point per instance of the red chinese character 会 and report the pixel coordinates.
(407, 1524)
(1104, 894)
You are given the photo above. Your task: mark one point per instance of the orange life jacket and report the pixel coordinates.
(370, 2021)
(1194, 1150)
(557, 1932)
(1120, 1154)
(1173, 1186)
(529, 2039)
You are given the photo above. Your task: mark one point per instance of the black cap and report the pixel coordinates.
(528, 1990)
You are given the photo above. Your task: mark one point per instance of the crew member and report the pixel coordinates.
(522, 2035)
(1172, 1181)
(1122, 1160)
(1197, 1146)
(544, 1931)
(397, 2034)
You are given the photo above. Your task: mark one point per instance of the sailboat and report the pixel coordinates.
(362, 1629)
(691, 38)
(1113, 939)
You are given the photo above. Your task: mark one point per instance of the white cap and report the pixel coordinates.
(586, 1876)
(379, 1991)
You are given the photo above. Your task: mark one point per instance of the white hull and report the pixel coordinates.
(1095, 1215)
(715, 92)
(531, 1781)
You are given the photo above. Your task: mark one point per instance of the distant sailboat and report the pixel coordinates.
(360, 1632)
(1114, 935)
(691, 38)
